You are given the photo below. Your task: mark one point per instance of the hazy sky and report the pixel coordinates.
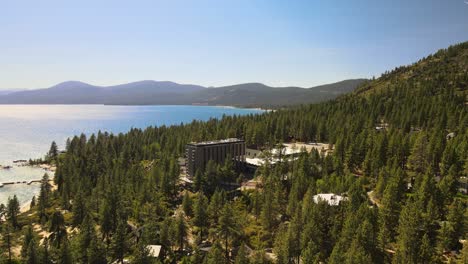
(219, 42)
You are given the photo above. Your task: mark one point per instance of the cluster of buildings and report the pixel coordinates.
(198, 154)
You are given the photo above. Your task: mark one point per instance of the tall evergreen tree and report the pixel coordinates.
(53, 151)
(32, 256)
(215, 256)
(227, 227)
(44, 197)
(27, 239)
(120, 241)
(58, 230)
(7, 244)
(180, 230)
(242, 257)
(389, 211)
(409, 237)
(13, 209)
(200, 218)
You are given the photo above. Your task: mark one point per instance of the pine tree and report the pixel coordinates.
(215, 206)
(294, 235)
(215, 256)
(33, 202)
(180, 230)
(281, 245)
(409, 239)
(107, 220)
(198, 181)
(44, 196)
(53, 151)
(164, 235)
(79, 209)
(444, 237)
(452, 229)
(197, 256)
(58, 230)
(389, 212)
(269, 211)
(200, 218)
(7, 238)
(96, 252)
(448, 187)
(187, 204)
(310, 255)
(28, 237)
(86, 235)
(356, 254)
(119, 241)
(418, 160)
(65, 256)
(426, 251)
(13, 209)
(31, 256)
(3, 213)
(227, 227)
(142, 254)
(45, 256)
(242, 257)
(256, 204)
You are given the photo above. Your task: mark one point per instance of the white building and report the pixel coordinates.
(331, 198)
(289, 151)
(154, 250)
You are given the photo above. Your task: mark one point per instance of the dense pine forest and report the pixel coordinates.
(400, 158)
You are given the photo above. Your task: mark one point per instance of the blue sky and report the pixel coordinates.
(219, 42)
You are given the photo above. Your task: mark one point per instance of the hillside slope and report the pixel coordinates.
(257, 94)
(425, 95)
(449, 64)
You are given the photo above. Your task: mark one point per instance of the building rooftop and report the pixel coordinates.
(154, 250)
(260, 161)
(331, 198)
(216, 142)
(320, 147)
(254, 161)
(286, 151)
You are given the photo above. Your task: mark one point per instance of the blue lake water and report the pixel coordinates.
(26, 131)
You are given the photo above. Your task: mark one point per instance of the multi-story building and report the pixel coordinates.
(199, 153)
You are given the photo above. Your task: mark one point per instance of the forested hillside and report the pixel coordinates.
(400, 153)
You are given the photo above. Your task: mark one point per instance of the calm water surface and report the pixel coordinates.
(26, 131)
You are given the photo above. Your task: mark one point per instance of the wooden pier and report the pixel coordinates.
(20, 182)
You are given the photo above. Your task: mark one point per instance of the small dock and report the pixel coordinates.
(20, 182)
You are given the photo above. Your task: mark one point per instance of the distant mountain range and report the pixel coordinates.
(5, 92)
(166, 93)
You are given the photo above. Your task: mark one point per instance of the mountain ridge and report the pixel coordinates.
(149, 92)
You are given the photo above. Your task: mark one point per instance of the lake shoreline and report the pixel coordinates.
(28, 130)
(136, 105)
